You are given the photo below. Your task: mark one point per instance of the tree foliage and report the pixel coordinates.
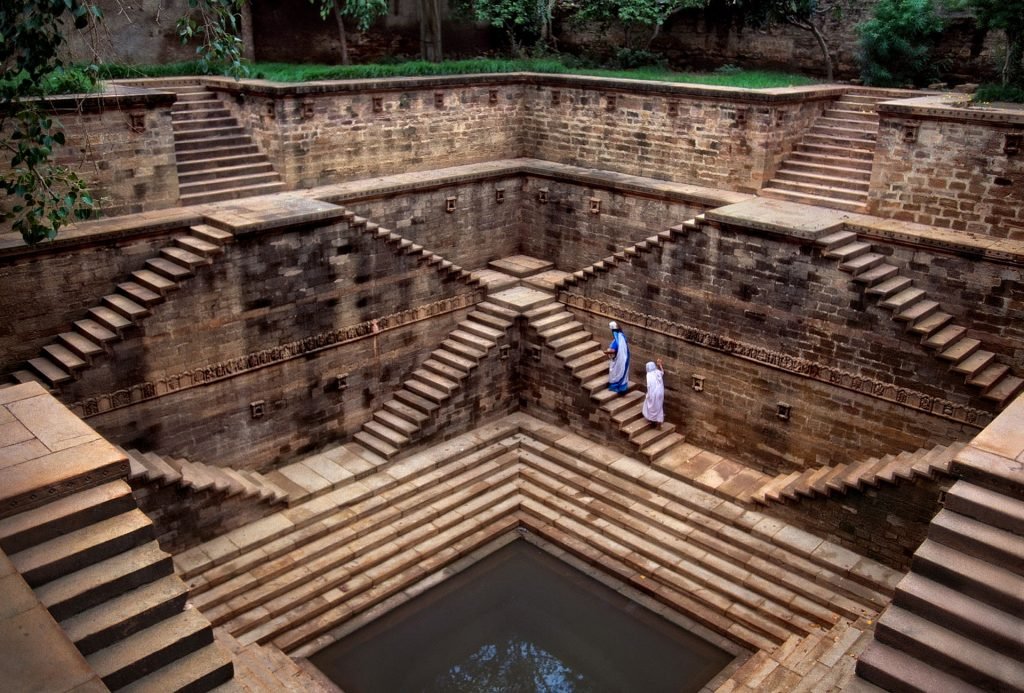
(637, 17)
(525, 22)
(807, 15)
(1008, 17)
(213, 24)
(896, 43)
(40, 196)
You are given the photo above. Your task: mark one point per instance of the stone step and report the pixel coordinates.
(844, 131)
(82, 547)
(377, 445)
(386, 433)
(183, 257)
(481, 330)
(572, 353)
(51, 373)
(155, 283)
(95, 331)
(625, 415)
(974, 538)
(819, 177)
(986, 377)
(140, 294)
(435, 380)
(191, 189)
(208, 144)
(148, 650)
(211, 234)
(895, 670)
(836, 138)
(877, 275)
(809, 198)
(849, 251)
(198, 246)
(837, 152)
(158, 469)
(216, 151)
(985, 505)
(412, 416)
(427, 391)
(544, 309)
(830, 192)
(202, 670)
(960, 350)
(316, 534)
(168, 269)
(500, 325)
(65, 358)
(830, 160)
(891, 287)
(453, 360)
(655, 450)
(64, 515)
(968, 617)
(552, 320)
(95, 584)
(862, 263)
(126, 307)
(854, 115)
(396, 422)
(463, 350)
(651, 435)
(931, 324)
(598, 370)
(1004, 391)
(901, 300)
(973, 577)
(587, 360)
(450, 374)
(126, 614)
(216, 132)
(410, 399)
(562, 329)
(196, 120)
(199, 110)
(948, 651)
(919, 311)
(975, 363)
(221, 163)
(570, 340)
(945, 337)
(497, 311)
(836, 239)
(481, 344)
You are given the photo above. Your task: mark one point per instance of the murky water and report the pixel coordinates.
(521, 621)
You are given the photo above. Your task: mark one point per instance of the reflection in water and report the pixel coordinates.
(512, 666)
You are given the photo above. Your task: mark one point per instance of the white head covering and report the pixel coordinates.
(613, 325)
(651, 366)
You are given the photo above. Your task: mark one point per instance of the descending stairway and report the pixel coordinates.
(91, 559)
(586, 359)
(217, 159)
(831, 480)
(923, 316)
(327, 563)
(957, 620)
(432, 384)
(831, 165)
(265, 669)
(196, 476)
(90, 337)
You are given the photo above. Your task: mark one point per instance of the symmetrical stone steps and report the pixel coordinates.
(132, 300)
(91, 559)
(831, 480)
(831, 165)
(924, 317)
(217, 159)
(586, 359)
(957, 619)
(435, 381)
(196, 476)
(290, 578)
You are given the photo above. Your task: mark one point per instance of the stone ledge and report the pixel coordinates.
(115, 97)
(952, 107)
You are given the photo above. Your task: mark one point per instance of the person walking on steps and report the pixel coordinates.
(654, 403)
(618, 352)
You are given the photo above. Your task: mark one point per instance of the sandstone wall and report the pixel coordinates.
(953, 168)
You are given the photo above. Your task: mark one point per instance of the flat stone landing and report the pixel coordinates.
(795, 609)
(520, 298)
(521, 265)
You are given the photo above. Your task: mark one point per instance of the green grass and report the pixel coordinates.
(988, 93)
(285, 72)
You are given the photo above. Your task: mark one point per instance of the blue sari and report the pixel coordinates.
(618, 371)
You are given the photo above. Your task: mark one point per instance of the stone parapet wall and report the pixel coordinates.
(939, 163)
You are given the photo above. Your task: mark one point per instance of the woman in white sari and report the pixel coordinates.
(618, 352)
(654, 403)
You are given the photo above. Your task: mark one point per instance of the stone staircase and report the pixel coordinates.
(831, 165)
(149, 467)
(586, 359)
(832, 480)
(427, 388)
(923, 316)
(91, 560)
(217, 159)
(108, 322)
(265, 669)
(957, 620)
(328, 564)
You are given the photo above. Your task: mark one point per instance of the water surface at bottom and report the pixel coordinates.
(520, 621)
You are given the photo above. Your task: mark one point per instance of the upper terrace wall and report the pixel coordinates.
(945, 165)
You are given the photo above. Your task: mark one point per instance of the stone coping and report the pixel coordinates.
(955, 107)
(279, 211)
(264, 87)
(809, 223)
(37, 654)
(47, 452)
(114, 97)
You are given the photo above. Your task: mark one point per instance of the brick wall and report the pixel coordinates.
(948, 167)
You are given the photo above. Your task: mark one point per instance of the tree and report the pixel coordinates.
(363, 12)
(41, 196)
(896, 43)
(525, 22)
(645, 16)
(1007, 16)
(807, 15)
(215, 25)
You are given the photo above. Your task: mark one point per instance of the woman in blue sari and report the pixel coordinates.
(618, 352)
